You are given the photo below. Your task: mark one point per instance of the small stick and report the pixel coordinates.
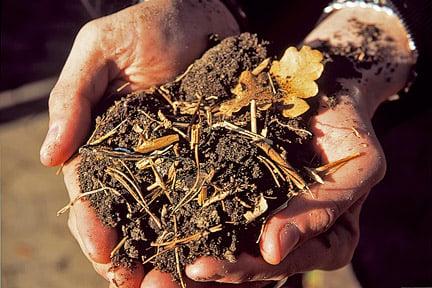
(123, 86)
(155, 255)
(147, 115)
(165, 94)
(271, 84)
(192, 193)
(180, 77)
(118, 246)
(202, 196)
(230, 126)
(128, 170)
(333, 166)
(288, 170)
(209, 116)
(107, 135)
(135, 194)
(177, 258)
(253, 116)
(72, 202)
(263, 160)
(181, 133)
(356, 132)
(290, 127)
(171, 244)
(160, 181)
(59, 170)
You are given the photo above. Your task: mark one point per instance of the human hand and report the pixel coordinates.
(144, 45)
(318, 230)
(321, 231)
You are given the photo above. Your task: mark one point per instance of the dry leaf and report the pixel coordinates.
(247, 89)
(260, 208)
(293, 106)
(147, 146)
(296, 73)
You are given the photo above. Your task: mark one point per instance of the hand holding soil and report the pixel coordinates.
(318, 228)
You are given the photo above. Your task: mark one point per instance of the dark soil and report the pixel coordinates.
(207, 187)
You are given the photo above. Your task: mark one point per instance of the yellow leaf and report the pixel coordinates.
(297, 71)
(294, 107)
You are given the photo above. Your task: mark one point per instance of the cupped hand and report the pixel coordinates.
(144, 45)
(318, 230)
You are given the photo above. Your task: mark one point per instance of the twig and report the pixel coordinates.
(171, 244)
(118, 246)
(123, 179)
(263, 65)
(123, 86)
(290, 127)
(193, 192)
(271, 83)
(288, 170)
(106, 136)
(253, 116)
(333, 166)
(177, 258)
(72, 202)
(266, 163)
(160, 181)
(232, 127)
(155, 255)
(180, 77)
(165, 94)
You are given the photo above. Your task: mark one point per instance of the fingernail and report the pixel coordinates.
(50, 141)
(289, 236)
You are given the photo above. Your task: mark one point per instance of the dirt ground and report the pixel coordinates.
(37, 248)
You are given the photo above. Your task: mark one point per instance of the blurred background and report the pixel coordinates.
(36, 247)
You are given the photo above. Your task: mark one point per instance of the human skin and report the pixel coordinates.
(313, 233)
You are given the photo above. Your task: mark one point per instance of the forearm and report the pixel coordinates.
(371, 48)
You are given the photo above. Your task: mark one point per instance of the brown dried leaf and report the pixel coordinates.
(247, 89)
(147, 146)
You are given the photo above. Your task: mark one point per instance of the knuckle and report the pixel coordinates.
(322, 219)
(89, 29)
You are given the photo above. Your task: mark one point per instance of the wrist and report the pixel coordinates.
(370, 50)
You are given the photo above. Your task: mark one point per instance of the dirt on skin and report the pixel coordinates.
(177, 181)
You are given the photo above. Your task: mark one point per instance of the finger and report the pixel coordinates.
(158, 279)
(311, 214)
(120, 276)
(117, 276)
(82, 82)
(328, 251)
(96, 239)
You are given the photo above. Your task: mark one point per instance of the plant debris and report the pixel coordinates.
(196, 166)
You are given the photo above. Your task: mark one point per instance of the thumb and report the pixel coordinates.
(81, 84)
